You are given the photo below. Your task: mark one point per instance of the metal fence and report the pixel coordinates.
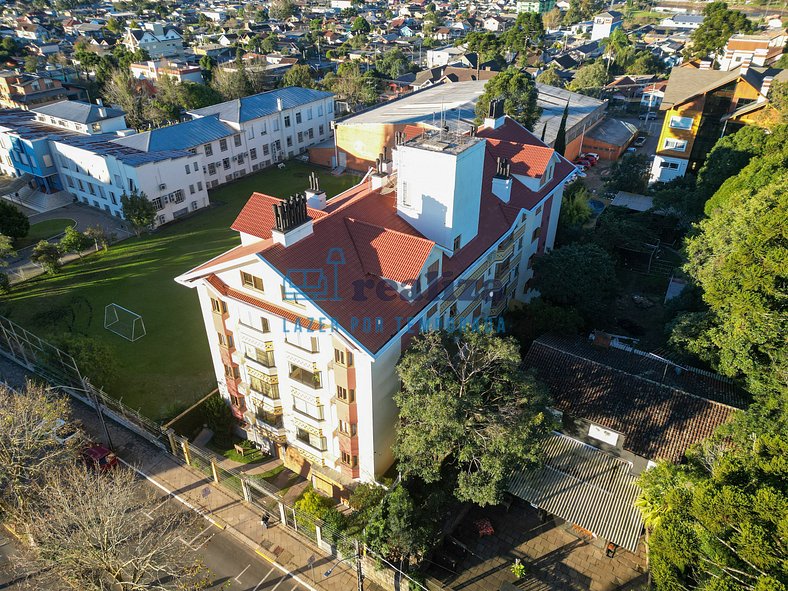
(60, 370)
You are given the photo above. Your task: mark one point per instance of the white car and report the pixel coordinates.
(580, 171)
(592, 154)
(63, 432)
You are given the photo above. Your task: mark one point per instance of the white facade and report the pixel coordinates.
(157, 40)
(604, 25)
(153, 70)
(666, 168)
(99, 180)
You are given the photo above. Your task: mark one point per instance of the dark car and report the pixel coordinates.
(640, 141)
(648, 116)
(450, 555)
(99, 457)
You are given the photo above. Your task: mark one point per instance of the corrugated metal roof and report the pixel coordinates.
(586, 487)
(180, 136)
(78, 111)
(260, 105)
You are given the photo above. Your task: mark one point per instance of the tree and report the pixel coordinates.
(196, 96)
(98, 236)
(718, 25)
(47, 255)
(13, 223)
(551, 78)
(395, 530)
(114, 25)
(230, 85)
(360, 26)
(629, 173)
(615, 46)
(31, 63)
(298, 75)
(91, 532)
(466, 402)
(552, 19)
(579, 276)
(575, 210)
(778, 97)
(590, 79)
(206, 65)
(74, 241)
(28, 448)
(393, 64)
(560, 139)
(350, 85)
(526, 29)
(738, 258)
(520, 97)
(138, 210)
(268, 44)
(6, 251)
(121, 90)
(281, 9)
(717, 521)
(219, 419)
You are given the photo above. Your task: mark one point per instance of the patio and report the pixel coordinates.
(556, 557)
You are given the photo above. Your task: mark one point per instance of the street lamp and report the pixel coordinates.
(336, 564)
(96, 405)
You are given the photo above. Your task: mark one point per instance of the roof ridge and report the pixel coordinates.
(621, 371)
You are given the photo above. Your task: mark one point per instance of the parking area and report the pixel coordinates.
(556, 556)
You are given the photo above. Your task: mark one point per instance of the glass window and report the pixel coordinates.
(298, 117)
(675, 145)
(287, 120)
(313, 410)
(208, 150)
(305, 377)
(237, 139)
(263, 387)
(223, 145)
(264, 358)
(251, 281)
(681, 122)
(315, 441)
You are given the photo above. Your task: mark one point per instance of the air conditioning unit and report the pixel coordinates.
(235, 158)
(162, 187)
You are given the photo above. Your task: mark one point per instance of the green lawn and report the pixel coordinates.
(43, 231)
(169, 368)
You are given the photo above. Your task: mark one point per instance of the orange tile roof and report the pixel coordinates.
(530, 161)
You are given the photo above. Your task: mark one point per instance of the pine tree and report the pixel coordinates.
(560, 139)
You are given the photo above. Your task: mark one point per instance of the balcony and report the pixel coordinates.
(311, 379)
(269, 420)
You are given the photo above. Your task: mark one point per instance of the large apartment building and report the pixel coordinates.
(703, 105)
(762, 49)
(308, 316)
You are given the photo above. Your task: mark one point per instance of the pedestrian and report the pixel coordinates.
(264, 520)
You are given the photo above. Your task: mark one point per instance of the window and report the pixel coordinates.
(311, 133)
(194, 166)
(675, 145)
(320, 110)
(347, 428)
(270, 418)
(305, 377)
(223, 145)
(263, 387)
(321, 128)
(191, 189)
(346, 395)
(307, 408)
(263, 129)
(331, 107)
(157, 203)
(251, 281)
(226, 163)
(264, 326)
(289, 141)
(264, 358)
(671, 165)
(208, 149)
(287, 121)
(309, 114)
(232, 371)
(237, 140)
(218, 306)
(199, 185)
(253, 153)
(300, 137)
(315, 441)
(81, 186)
(349, 460)
(405, 194)
(266, 150)
(681, 122)
(226, 340)
(276, 125)
(536, 234)
(70, 181)
(188, 169)
(303, 341)
(457, 243)
(211, 168)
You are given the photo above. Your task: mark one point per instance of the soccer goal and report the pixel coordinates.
(123, 322)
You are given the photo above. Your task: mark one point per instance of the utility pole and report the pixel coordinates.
(97, 405)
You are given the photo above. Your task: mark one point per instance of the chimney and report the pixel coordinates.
(502, 181)
(315, 197)
(292, 221)
(766, 85)
(495, 117)
(99, 102)
(279, 105)
(383, 168)
(102, 112)
(745, 67)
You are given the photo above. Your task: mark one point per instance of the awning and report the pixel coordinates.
(584, 486)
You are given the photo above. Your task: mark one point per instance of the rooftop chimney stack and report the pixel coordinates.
(745, 67)
(315, 197)
(279, 105)
(495, 117)
(291, 220)
(502, 181)
(766, 85)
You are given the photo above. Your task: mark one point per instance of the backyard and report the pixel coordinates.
(170, 367)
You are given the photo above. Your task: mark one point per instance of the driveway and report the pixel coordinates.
(555, 556)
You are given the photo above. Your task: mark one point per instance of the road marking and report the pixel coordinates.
(194, 539)
(208, 539)
(241, 573)
(282, 580)
(156, 508)
(263, 580)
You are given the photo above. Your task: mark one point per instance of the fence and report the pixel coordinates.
(60, 370)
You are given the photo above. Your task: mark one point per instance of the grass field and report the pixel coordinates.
(169, 368)
(43, 231)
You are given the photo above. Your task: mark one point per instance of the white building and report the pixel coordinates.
(157, 39)
(605, 23)
(444, 56)
(762, 49)
(308, 316)
(153, 70)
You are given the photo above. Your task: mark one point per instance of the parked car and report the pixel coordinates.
(99, 457)
(631, 150)
(592, 158)
(639, 141)
(593, 155)
(583, 162)
(648, 116)
(450, 555)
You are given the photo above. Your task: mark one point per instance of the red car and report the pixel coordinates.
(584, 162)
(592, 158)
(99, 457)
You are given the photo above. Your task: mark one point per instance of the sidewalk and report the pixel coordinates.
(276, 544)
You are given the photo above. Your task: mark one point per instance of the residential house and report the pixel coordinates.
(689, 22)
(308, 316)
(762, 49)
(701, 105)
(539, 6)
(27, 91)
(157, 39)
(605, 23)
(179, 71)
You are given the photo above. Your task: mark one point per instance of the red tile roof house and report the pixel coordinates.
(308, 316)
